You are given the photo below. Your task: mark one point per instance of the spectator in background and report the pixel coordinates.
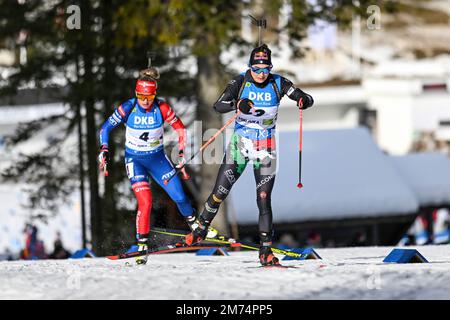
(314, 240)
(59, 252)
(7, 255)
(288, 241)
(425, 142)
(34, 248)
(443, 147)
(359, 240)
(330, 243)
(441, 222)
(417, 233)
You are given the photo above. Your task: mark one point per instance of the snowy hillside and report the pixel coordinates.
(347, 273)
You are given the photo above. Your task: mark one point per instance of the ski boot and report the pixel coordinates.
(142, 247)
(267, 258)
(200, 227)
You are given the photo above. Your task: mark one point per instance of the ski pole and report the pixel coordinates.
(207, 143)
(300, 147)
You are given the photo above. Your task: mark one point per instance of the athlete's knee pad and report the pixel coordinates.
(264, 201)
(263, 196)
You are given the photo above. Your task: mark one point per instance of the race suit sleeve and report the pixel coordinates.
(287, 88)
(119, 115)
(171, 118)
(228, 100)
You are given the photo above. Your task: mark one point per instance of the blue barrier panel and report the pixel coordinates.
(405, 256)
(83, 253)
(133, 248)
(212, 252)
(307, 253)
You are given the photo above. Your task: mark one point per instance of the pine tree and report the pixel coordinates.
(98, 67)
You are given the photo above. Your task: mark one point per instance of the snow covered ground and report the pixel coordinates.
(345, 273)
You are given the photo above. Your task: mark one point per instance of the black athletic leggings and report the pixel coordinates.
(239, 152)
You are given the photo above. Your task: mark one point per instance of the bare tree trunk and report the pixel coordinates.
(111, 215)
(91, 134)
(208, 89)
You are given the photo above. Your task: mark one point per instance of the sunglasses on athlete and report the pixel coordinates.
(261, 70)
(145, 96)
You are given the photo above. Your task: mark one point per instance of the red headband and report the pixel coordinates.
(146, 87)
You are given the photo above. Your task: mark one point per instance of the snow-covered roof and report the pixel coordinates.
(334, 96)
(345, 176)
(409, 68)
(428, 175)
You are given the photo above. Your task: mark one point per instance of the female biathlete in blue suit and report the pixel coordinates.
(144, 117)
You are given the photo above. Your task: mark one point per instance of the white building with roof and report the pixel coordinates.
(428, 176)
(348, 181)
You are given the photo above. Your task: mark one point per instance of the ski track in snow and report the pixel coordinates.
(344, 273)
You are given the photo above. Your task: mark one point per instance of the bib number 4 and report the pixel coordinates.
(144, 136)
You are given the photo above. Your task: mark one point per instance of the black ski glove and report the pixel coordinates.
(245, 105)
(305, 102)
